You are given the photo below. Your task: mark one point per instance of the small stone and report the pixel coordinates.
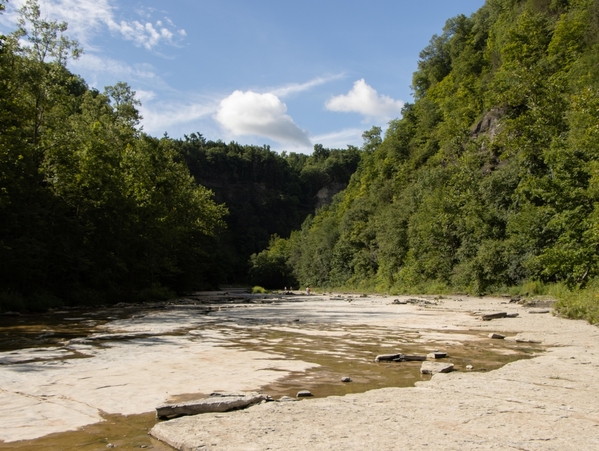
(436, 355)
(496, 336)
(346, 379)
(304, 394)
(110, 445)
(435, 367)
(469, 367)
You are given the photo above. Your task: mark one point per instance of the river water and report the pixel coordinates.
(102, 371)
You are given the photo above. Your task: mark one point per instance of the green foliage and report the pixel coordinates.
(271, 268)
(92, 209)
(490, 179)
(580, 304)
(259, 290)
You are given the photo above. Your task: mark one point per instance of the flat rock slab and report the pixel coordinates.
(436, 367)
(539, 311)
(490, 316)
(387, 357)
(207, 405)
(496, 336)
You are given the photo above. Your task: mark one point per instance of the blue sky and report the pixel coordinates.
(276, 72)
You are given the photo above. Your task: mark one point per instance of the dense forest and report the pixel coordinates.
(489, 180)
(93, 210)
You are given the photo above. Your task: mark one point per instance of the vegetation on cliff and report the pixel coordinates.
(491, 177)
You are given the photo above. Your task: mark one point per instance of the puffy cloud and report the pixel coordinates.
(365, 100)
(251, 113)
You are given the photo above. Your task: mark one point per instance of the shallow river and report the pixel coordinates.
(103, 371)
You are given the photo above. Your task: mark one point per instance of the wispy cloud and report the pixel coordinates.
(340, 139)
(364, 99)
(138, 73)
(293, 88)
(252, 113)
(159, 117)
(86, 18)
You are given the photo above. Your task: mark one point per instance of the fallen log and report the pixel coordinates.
(212, 404)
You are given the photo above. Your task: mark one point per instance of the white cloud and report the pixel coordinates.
(163, 116)
(251, 113)
(365, 100)
(340, 139)
(94, 64)
(89, 17)
(299, 87)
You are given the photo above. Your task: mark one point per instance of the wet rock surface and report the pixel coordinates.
(546, 403)
(129, 362)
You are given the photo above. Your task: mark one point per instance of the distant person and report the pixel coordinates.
(308, 290)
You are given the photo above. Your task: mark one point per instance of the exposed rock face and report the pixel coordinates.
(325, 195)
(490, 123)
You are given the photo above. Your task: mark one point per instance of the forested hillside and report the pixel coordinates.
(491, 177)
(266, 193)
(93, 210)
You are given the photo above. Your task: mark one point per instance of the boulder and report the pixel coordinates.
(435, 367)
(215, 403)
(346, 379)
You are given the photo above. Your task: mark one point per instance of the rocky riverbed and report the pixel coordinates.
(120, 365)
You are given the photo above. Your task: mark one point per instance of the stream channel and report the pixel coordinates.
(102, 371)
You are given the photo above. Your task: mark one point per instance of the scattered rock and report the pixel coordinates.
(387, 357)
(496, 336)
(490, 316)
(537, 310)
(411, 358)
(526, 340)
(286, 399)
(304, 394)
(400, 302)
(215, 403)
(436, 355)
(435, 367)
(515, 300)
(346, 379)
